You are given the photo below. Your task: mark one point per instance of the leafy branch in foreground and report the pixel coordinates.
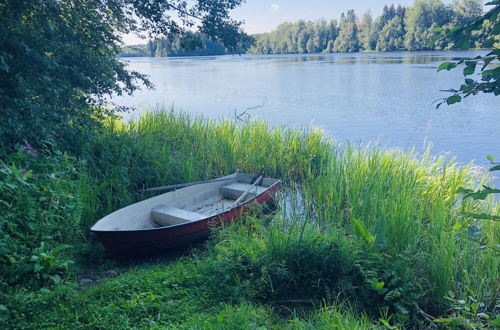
(487, 28)
(59, 65)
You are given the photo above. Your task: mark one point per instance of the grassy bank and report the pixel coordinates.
(364, 238)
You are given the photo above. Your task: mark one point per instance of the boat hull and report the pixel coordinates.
(133, 243)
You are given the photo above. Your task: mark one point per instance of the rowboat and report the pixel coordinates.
(181, 217)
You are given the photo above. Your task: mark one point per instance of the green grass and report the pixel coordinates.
(378, 230)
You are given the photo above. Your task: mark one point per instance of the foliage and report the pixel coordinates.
(347, 40)
(299, 37)
(191, 44)
(391, 36)
(295, 263)
(422, 19)
(58, 60)
(482, 194)
(40, 217)
(397, 28)
(468, 313)
(489, 82)
(488, 65)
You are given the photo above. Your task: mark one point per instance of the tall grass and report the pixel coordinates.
(411, 208)
(408, 204)
(164, 148)
(381, 228)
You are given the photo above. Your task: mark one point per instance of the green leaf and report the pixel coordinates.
(387, 324)
(470, 67)
(446, 66)
(453, 99)
(37, 267)
(490, 158)
(466, 88)
(361, 231)
(4, 313)
(487, 61)
(377, 285)
(495, 168)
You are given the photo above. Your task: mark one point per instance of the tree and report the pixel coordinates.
(466, 11)
(397, 28)
(422, 19)
(347, 40)
(58, 61)
(391, 38)
(365, 28)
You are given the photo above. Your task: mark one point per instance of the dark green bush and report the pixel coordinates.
(39, 216)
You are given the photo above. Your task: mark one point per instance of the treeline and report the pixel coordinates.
(190, 44)
(397, 28)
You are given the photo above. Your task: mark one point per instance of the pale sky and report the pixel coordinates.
(264, 15)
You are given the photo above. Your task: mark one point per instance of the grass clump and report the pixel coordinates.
(409, 208)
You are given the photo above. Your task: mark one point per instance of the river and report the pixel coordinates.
(357, 98)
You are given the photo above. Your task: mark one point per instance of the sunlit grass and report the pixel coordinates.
(351, 223)
(409, 204)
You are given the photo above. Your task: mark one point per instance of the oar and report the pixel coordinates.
(182, 185)
(246, 192)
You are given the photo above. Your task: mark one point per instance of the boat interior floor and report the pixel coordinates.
(169, 215)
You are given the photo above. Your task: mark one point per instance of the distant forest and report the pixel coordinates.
(191, 44)
(397, 28)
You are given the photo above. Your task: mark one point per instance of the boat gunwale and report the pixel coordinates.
(278, 182)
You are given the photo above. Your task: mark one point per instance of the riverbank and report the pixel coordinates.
(376, 238)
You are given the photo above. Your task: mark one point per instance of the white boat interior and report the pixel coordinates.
(185, 205)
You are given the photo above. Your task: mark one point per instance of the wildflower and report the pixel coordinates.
(30, 150)
(24, 172)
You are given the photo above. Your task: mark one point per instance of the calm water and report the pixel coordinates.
(357, 98)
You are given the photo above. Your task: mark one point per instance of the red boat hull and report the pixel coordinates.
(124, 244)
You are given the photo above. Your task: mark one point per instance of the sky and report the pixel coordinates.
(265, 15)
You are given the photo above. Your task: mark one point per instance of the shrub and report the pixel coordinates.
(290, 263)
(40, 215)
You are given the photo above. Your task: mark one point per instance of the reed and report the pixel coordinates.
(407, 203)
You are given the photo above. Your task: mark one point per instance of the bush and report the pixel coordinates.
(290, 263)
(40, 216)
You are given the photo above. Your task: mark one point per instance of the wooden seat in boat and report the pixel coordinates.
(165, 215)
(235, 190)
